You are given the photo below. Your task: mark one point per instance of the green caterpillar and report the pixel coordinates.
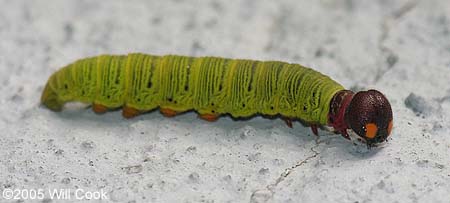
(214, 86)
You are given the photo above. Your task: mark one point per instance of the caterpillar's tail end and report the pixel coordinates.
(50, 99)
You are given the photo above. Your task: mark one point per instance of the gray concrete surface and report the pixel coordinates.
(401, 48)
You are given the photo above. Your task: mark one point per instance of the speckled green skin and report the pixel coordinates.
(209, 85)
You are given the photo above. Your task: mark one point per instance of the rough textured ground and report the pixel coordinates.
(401, 48)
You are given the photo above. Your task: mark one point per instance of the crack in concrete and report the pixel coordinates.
(264, 195)
(387, 22)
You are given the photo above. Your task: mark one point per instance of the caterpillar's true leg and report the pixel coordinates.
(288, 121)
(209, 117)
(345, 135)
(99, 108)
(314, 129)
(168, 112)
(129, 112)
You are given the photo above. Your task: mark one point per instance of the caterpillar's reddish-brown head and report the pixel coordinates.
(369, 115)
(366, 115)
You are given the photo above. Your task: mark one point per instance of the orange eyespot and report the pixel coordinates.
(390, 127)
(371, 130)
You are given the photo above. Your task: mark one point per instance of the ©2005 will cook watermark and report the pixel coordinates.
(54, 194)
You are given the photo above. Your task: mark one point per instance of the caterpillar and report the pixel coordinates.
(215, 86)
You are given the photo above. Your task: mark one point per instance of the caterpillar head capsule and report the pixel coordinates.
(369, 115)
(366, 115)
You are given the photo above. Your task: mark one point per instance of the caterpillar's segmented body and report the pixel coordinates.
(212, 86)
